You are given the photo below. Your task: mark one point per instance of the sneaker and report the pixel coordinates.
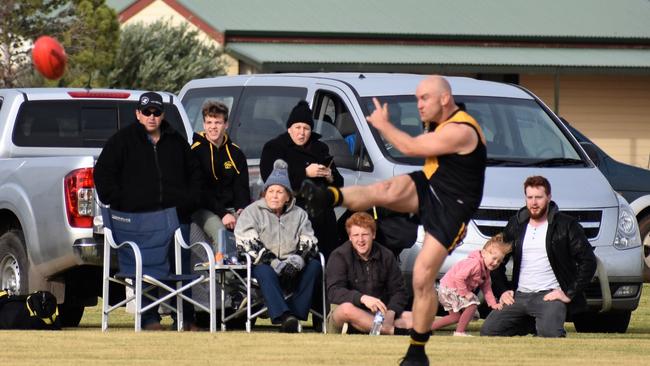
(462, 334)
(291, 324)
(314, 197)
(413, 361)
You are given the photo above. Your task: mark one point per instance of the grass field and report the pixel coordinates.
(87, 345)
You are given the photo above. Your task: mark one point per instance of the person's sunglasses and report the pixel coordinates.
(149, 112)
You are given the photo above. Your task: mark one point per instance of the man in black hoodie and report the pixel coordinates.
(225, 191)
(148, 166)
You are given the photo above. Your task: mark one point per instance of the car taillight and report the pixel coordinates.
(80, 197)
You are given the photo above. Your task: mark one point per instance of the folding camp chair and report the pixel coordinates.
(142, 242)
(253, 304)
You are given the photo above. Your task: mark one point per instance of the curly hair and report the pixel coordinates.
(361, 219)
(214, 108)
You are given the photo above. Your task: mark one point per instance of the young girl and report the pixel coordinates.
(456, 291)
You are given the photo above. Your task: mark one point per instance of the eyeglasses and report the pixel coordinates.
(149, 112)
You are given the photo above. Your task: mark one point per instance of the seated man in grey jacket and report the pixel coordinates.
(278, 236)
(363, 278)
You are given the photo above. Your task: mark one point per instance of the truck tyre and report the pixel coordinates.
(71, 314)
(644, 230)
(613, 322)
(13, 262)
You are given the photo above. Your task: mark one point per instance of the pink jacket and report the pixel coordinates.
(468, 274)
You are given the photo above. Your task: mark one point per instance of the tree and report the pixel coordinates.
(160, 56)
(88, 30)
(91, 42)
(21, 22)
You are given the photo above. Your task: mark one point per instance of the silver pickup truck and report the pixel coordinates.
(49, 140)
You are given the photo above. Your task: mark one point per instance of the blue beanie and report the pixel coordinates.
(279, 176)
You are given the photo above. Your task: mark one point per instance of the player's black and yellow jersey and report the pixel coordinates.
(456, 176)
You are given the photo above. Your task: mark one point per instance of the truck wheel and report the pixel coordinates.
(70, 315)
(13, 262)
(644, 229)
(602, 323)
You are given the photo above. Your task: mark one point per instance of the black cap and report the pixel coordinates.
(151, 100)
(301, 113)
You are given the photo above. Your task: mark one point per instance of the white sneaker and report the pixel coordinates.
(462, 334)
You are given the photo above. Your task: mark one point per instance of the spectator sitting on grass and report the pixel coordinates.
(362, 278)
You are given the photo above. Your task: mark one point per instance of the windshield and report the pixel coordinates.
(518, 131)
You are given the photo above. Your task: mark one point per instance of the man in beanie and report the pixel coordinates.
(148, 166)
(278, 236)
(308, 158)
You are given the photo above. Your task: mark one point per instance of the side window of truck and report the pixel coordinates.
(261, 115)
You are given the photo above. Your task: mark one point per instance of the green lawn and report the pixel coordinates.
(265, 346)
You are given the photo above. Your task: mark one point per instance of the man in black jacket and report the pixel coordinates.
(552, 265)
(225, 192)
(363, 278)
(148, 166)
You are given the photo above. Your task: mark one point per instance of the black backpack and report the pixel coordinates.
(34, 311)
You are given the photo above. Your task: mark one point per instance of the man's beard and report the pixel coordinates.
(539, 214)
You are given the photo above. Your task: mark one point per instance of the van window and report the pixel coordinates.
(261, 115)
(194, 99)
(339, 131)
(88, 123)
(517, 131)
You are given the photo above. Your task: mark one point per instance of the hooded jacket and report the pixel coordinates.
(467, 275)
(225, 174)
(571, 256)
(134, 175)
(281, 235)
(298, 158)
(349, 277)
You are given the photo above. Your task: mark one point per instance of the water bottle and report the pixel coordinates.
(377, 323)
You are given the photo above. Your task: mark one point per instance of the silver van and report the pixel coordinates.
(524, 138)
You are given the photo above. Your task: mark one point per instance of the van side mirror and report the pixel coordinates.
(591, 151)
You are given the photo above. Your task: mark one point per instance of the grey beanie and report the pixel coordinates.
(279, 176)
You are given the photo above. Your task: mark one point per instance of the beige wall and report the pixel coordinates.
(613, 111)
(159, 10)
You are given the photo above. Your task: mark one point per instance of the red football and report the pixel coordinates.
(49, 57)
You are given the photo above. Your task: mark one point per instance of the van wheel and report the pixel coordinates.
(644, 229)
(13, 262)
(602, 323)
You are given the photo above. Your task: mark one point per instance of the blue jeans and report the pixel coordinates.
(299, 303)
(529, 314)
(152, 316)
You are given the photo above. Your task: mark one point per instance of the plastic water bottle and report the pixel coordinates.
(377, 323)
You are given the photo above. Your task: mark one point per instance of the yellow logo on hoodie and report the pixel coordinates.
(227, 165)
